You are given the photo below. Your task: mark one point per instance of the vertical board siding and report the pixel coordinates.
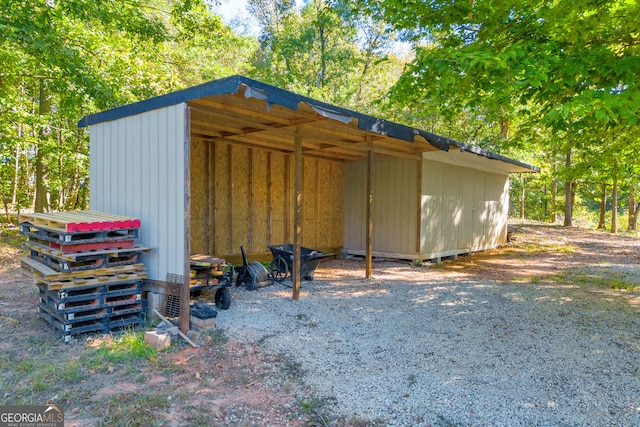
(355, 202)
(137, 170)
(394, 206)
(199, 195)
(250, 203)
(463, 209)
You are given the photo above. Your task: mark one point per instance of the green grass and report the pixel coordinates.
(553, 247)
(612, 280)
(127, 347)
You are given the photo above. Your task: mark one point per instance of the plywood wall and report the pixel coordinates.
(242, 196)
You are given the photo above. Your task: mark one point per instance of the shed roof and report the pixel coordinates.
(233, 109)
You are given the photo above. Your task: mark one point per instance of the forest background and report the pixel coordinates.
(551, 83)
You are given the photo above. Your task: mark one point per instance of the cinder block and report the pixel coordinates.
(158, 340)
(203, 323)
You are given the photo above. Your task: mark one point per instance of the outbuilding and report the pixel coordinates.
(236, 162)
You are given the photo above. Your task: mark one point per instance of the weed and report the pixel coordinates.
(308, 406)
(218, 337)
(129, 346)
(132, 410)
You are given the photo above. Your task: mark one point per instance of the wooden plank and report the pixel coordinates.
(241, 192)
(324, 201)
(260, 188)
(57, 280)
(337, 204)
(309, 206)
(56, 252)
(185, 293)
(297, 216)
(223, 210)
(199, 195)
(279, 204)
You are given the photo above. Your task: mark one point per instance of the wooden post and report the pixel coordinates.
(185, 292)
(297, 214)
(369, 256)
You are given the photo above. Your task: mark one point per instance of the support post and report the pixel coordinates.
(297, 214)
(185, 292)
(369, 256)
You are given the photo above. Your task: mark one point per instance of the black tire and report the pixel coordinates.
(223, 298)
(279, 270)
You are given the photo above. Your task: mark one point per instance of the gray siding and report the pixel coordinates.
(138, 169)
(463, 209)
(395, 207)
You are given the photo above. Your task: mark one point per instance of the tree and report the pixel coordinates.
(326, 51)
(65, 59)
(569, 66)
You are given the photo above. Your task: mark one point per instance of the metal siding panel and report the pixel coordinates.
(354, 205)
(453, 209)
(139, 172)
(394, 217)
(96, 166)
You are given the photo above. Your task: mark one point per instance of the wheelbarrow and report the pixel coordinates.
(282, 264)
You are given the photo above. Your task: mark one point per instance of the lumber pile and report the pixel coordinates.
(87, 268)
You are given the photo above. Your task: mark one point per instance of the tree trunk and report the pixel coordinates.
(554, 196)
(16, 172)
(633, 209)
(546, 200)
(523, 181)
(568, 199)
(603, 207)
(614, 205)
(44, 108)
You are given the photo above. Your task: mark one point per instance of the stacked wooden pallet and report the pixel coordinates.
(87, 268)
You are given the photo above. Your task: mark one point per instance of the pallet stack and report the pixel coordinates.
(87, 268)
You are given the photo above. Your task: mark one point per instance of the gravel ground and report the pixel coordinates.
(451, 346)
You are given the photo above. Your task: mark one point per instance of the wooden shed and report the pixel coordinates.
(236, 162)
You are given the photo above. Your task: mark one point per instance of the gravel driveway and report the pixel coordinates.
(514, 337)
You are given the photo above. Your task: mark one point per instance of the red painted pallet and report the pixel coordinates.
(80, 222)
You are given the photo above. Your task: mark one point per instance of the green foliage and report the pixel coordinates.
(546, 78)
(66, 59)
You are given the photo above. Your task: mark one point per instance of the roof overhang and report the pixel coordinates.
(248, 112)
(476, 158)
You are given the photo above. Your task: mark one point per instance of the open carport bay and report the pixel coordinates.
(530, 334)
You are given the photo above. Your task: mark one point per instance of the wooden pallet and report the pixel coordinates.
(103, 313)
(60, 261)
(90, 292)
(108, 324)
(62, 280)
(81, 221)
(93, 303)
(81, 241)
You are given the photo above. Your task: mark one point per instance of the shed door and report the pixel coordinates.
(472, 221)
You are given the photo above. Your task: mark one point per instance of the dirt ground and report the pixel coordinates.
(230, 384)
